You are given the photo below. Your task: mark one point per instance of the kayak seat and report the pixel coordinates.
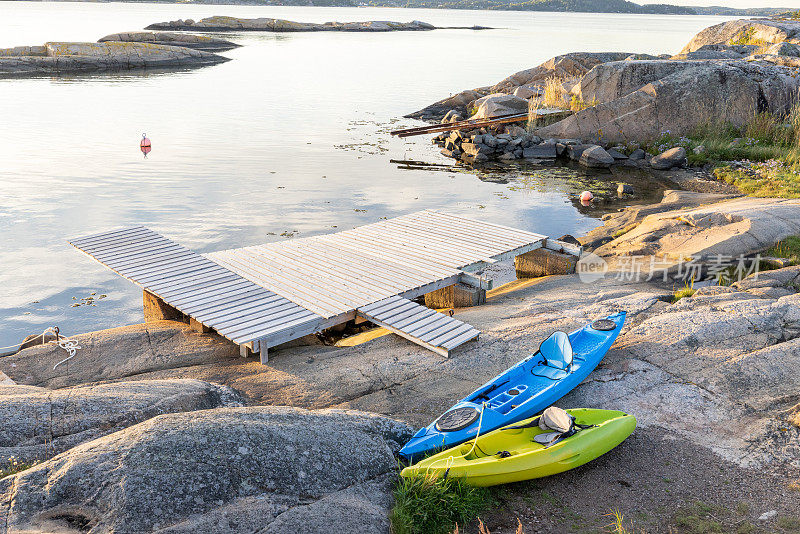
(546, 438)
(549, 372)
(556, 351)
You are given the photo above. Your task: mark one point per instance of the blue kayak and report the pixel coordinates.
(562, 362)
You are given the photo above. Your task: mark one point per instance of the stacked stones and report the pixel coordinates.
(509, 143)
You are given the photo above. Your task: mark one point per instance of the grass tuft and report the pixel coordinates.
(14, 466)
(789, 249)
(687, 291)
(554, 94)
(747, 37)
(428, 505)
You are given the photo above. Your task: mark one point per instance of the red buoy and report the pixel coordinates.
(145, 145)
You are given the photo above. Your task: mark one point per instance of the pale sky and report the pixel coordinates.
(729, 3)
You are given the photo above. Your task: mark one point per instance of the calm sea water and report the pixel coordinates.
(290, 136)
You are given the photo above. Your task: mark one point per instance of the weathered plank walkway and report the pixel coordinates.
(265, 295)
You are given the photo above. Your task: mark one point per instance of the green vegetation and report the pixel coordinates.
(698, 518)
(426, 505)
(14, 466)
(625, 230)
(789, 524)
(789, 249)
(702, 518)
(767, 150)
(772, 178)
(747, 37)
(591, 6)
(687, 291)
(617, 525)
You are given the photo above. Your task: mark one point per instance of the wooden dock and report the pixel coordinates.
(264, 295)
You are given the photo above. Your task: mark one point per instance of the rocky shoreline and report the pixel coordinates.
(156, 400)
(68, 58)
(158, 428)
(726, 73)
(186, 40)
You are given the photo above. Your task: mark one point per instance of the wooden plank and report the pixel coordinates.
(119, 255)
(298, 288)
(453, 343)
(479, 241)
(438, 332)
(522, 234)
(421, 328)
(445, 338)
(487, 236)
(350, 290)
(371, 266)
(231, 298)
(294, 290)
(86, 241)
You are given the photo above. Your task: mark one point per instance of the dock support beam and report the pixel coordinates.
(455, 296)
(156, 309)
(197, 326)
(543, 262)
(246, 351)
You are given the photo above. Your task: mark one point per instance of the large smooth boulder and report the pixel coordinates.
(498, 104)
(187, 40)
(564, 67)
(719, 51)
(732, 228)
(640, 100)
(458, 103)
(568, 68)
(757, 30)
(674, 157)
(264, 469)
(118, 353)
(718, 369)
(37, 423)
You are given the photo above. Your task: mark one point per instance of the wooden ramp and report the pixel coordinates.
(265, 295)
(424, 326)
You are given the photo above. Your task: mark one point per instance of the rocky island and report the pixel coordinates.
(69, 58)
(186, 40)
(220, 24)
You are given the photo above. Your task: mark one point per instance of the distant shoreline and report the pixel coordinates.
(539, 6)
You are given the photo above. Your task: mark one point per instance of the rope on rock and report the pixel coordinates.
(69, 345)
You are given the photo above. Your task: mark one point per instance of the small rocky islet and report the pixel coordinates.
(221, 24)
